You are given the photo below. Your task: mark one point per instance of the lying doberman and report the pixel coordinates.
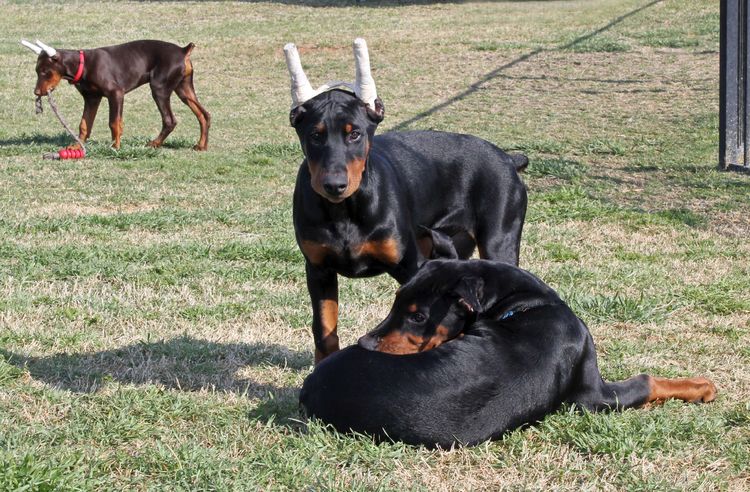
(490, 348)
(114, 71)
(366, 205)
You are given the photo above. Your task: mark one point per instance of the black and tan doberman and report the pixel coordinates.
(366, 205)
(470, 350)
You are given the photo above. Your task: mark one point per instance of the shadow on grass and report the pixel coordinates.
(182, 363)
(60, 140)
(132, 147)
(499, 71)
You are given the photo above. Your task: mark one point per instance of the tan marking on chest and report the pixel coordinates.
(384, 250)
(315, 252)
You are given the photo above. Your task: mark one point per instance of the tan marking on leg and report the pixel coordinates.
(315, 252)
(116, 128)
(329, 314)
(688, 389)
(83, 129)
(384, 250)
(186, 92)
(203, 122)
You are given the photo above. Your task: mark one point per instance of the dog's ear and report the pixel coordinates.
(378, 113)
(442, 244)
(295, 115)
(470, 291)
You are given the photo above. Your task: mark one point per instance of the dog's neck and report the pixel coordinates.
(70, 60)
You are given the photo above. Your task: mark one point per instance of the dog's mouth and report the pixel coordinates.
(334, 199)
(369, 342)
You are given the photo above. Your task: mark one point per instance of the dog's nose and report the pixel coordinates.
(368, 342)
(335, 187)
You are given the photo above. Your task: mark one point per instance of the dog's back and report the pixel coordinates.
(463, 392)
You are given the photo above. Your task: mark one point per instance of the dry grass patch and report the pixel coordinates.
(154, 319)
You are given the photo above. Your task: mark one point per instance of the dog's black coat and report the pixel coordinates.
(524, 355)
(412, 182)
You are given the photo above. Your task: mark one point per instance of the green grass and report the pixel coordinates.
(154, 319)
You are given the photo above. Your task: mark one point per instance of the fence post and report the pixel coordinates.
(733, 92)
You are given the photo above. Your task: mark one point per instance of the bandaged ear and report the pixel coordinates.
(470, 291)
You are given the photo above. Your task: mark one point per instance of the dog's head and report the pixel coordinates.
(49, 67)
(431, 309)
(335, 130)
(335, 124)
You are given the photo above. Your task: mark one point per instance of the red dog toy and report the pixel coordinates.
(66, 154)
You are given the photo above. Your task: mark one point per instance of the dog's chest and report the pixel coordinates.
(350, 250)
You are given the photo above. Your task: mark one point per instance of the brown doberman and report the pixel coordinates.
(113, 71)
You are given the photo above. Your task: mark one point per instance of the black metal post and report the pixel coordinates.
(734, 92)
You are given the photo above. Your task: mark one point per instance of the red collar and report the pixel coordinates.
(79, 72)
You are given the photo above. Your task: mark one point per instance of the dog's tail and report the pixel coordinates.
(188, 49)
(520, 161)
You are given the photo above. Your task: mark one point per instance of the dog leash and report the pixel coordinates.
(62, 153)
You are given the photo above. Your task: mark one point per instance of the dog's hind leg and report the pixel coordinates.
(186, 92)
(593, 393)
(168, 121)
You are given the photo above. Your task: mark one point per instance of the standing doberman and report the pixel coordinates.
(114, 71)
(484, 347)
(365, 205)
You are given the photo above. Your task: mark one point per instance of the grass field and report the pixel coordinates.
(154, 320)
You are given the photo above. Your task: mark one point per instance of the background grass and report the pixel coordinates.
(154, 321)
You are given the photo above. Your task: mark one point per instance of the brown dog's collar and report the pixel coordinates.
(79, 72)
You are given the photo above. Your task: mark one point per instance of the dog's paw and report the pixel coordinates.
(706, 390)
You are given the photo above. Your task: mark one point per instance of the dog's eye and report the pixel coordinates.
(354, 135)
(417, 317)
(316, 137)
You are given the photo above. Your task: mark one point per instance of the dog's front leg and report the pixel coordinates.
(323, 286)
(90, 107)
(115, 116)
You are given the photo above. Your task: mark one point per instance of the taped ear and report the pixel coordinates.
(295, 115)
(378, 113)
(470, 291)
